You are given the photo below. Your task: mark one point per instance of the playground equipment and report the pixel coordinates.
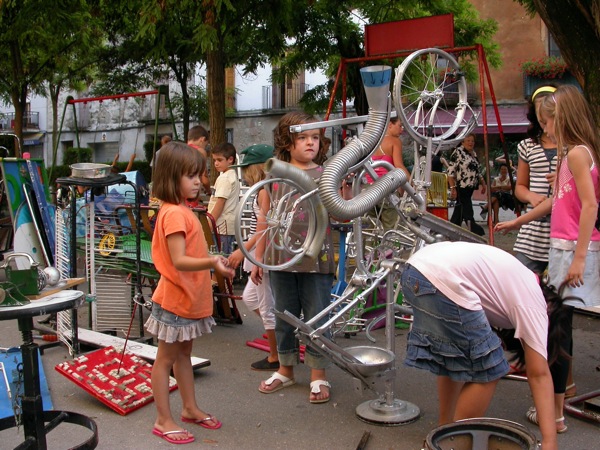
(298, 218)
(159, 93)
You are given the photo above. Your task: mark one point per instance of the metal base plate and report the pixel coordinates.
(378, 412)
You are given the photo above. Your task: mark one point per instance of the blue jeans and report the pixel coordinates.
(227, 241)
(304, 294)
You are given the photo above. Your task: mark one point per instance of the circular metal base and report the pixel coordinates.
(378, 412)
(51, 420)
(481, 433)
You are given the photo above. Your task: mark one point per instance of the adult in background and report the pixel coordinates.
(390, 151)
(501, 194)
(464, 177)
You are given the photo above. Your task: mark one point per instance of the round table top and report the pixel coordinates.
(113, 178)
(53, 303)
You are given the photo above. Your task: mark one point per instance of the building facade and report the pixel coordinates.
(120, 127)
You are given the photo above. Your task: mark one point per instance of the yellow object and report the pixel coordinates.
(539, 90)
(437, 194)
(107, 244)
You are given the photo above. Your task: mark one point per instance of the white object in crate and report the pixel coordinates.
(90, 170)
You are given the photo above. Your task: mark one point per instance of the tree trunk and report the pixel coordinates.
(215, 83)
(19, 99)
(54, 93)
(185, 104)
(576, 30)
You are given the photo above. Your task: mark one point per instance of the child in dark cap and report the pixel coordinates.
(258, 298)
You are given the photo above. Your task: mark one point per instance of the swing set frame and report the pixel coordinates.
(158, 92)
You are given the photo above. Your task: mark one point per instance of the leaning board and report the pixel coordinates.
(16, 175)
(121, 381)
(148, 352)
(11, 359)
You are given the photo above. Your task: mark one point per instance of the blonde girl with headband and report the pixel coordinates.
(536, 172)
(574, 257)
(535, 175)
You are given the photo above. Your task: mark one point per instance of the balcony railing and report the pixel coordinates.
(530, 84)
(283, 96)
(31, 120)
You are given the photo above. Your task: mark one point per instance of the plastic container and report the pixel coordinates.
(90, 170)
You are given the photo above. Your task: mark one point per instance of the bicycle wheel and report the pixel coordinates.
(290, 222)
(430, 95)
(107, 244)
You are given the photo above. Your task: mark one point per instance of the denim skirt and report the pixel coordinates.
(449, 340)
(171, 328)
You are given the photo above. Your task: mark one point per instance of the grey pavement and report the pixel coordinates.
(286, 419)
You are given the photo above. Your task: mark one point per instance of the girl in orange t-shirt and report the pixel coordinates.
(182, 301)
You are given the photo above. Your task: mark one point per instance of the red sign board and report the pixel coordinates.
(409, 35)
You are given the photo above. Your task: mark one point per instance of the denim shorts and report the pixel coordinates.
(449, 340)
(587, 294)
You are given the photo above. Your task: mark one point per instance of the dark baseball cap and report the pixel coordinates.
(255, 154)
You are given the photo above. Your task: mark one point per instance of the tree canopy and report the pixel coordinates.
(575, 26)
(38, 36)
(49, 41)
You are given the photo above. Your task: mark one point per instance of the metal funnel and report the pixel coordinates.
(377, 86)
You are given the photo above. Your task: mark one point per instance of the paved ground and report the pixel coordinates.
(284, 420)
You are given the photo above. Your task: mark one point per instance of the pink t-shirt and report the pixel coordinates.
(566, 205)
(479, 276)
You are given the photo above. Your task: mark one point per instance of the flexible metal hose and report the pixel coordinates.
(281, 169)
(336, 170)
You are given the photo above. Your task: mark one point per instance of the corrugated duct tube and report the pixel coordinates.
(284, 170)
(377, 82)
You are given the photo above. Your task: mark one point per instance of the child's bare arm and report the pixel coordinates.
(185, 263)
(218, 207)
(261, 235)
(236, 258)
(205, 182)
(579, 164)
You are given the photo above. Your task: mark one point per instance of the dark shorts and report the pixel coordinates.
(449, 340)
(505, 200)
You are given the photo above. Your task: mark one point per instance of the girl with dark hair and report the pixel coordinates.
(182, 304)
(459, 291)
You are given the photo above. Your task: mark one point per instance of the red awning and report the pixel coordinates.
(512, 118)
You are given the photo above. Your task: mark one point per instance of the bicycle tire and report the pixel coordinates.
(428, 84)
(291, 222)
